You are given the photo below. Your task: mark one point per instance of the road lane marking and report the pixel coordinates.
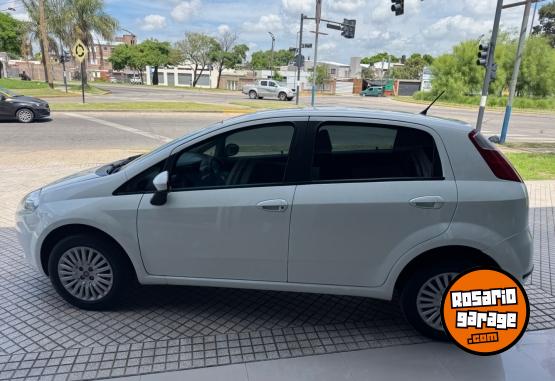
(150, 135)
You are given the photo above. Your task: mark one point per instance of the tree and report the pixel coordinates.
(130, 56)
(547, 22)
(88, 18)
(537, 71)
(11, 34)
(32, 29)
(261, 60)
(156, 53)
(384, 56)
(322, 75)
(228, 55)
(413, 66)
(198, 50)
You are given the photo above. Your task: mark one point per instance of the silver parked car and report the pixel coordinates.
(269, 89)
(339, 201)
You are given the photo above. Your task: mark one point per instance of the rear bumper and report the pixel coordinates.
(515, 255)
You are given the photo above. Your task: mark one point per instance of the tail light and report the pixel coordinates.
(497, 162)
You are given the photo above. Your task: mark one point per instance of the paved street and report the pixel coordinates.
(174, 328)
(531, 127)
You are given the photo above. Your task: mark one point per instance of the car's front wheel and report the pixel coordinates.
(282, 96)
(421, 298)
(88, 271)
(25, 115)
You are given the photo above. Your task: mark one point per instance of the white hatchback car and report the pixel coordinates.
(339, 201)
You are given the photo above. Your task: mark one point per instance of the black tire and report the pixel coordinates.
(411, 289)
(120, 270)
(25, 115)
(253, 95)
(282, 96)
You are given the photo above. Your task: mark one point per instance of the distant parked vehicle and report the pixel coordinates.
(135, 80)
(372, 91)
(24, 109)
(113, 80)
(268, 89)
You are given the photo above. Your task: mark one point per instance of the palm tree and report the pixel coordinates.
(87, 18)
(32, 28)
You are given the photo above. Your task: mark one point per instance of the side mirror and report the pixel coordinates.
(161, 184)
(231, 149)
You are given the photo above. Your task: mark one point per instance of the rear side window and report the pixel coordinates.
(368, 152)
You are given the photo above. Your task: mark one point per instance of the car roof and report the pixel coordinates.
(354, 112)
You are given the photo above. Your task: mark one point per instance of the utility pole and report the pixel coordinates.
(44, 40)
(516, 69)
(300, 55)
(490, 65)
(272, 55)
(318, 16)
(63, 59)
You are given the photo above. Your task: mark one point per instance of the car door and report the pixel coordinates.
(375, 191)
(228, 209)
(263, 89)
(7, 108)
(272, 89)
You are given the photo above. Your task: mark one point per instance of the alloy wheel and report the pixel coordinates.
(428, 299)
(85, 273)
(25, 115)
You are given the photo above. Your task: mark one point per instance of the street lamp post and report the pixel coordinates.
(318, 16)
(272, 54)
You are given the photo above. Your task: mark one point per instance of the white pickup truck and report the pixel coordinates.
(268, 88)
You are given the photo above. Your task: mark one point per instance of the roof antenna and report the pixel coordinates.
(425, 111)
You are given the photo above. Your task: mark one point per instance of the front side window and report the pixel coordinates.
(272, 84)
(366, 152)
(254, 156)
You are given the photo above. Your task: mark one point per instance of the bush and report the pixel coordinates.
(493, 101)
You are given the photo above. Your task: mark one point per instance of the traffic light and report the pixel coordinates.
(483, 54)
(493, 75)
(398, 7)
(348, 28)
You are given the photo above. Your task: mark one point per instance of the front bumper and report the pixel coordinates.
(42, 112)
(26, 225)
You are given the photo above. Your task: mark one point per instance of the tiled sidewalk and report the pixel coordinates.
(168, 328)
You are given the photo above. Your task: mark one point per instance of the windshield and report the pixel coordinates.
(7, 92)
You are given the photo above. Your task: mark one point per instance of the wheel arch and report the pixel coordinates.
(444, 254)
(74, 229)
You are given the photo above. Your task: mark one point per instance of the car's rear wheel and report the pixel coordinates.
(422, 294)
(25, 115)
(88, 271)
(253, 95)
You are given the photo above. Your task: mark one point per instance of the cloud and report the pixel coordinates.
(297, 6)
(224, 28)
(347, 5)
(153, 22)
(457, 27)
(185, 9)
(266, 23)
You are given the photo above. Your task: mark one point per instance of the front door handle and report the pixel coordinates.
(428, 202)
(273, 205)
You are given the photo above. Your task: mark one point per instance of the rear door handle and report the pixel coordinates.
(428, 202)
(273, 205)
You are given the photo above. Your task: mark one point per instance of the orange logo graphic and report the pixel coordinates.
(485, 311)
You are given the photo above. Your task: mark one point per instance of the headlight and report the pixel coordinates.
(30, 202)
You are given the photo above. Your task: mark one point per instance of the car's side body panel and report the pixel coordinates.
(481, 212)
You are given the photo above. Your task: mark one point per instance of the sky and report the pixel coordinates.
(428, 26)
